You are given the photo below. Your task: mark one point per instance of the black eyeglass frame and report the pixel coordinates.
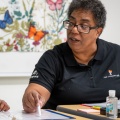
(74, 25)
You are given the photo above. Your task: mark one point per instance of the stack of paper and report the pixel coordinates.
(101, 104)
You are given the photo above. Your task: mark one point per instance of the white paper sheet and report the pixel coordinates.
(21, 115)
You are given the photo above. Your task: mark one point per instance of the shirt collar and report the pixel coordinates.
(69, 57)
(100, 50)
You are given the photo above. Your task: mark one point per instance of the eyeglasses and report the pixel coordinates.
(81, 28)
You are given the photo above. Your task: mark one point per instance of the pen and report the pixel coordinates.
(38, 110)
(85, 105)
(96, 107)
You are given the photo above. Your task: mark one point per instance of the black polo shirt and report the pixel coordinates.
(72, 83)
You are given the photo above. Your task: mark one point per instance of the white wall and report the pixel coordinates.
(12, 88)
(112, 30)
(18, 63)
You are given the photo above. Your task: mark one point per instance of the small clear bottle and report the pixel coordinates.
(111, 105)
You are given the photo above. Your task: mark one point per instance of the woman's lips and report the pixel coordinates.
(74, 39)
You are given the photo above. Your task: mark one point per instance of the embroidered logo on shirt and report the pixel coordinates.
(35, 74)
(111, 74)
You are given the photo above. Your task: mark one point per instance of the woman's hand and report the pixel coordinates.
(31, 100)
(35, 95)
(4, 106)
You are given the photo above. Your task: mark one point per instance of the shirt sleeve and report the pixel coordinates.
(45, 72)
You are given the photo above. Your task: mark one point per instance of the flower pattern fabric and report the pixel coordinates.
(46, 16)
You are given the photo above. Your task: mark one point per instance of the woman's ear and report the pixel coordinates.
(99, 31)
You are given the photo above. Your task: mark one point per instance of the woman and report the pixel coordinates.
(82, 69)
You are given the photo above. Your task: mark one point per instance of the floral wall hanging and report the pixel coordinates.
(32, 25)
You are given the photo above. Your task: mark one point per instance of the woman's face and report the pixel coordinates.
(80, 42)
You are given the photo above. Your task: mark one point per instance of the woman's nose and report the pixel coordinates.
(75, 29)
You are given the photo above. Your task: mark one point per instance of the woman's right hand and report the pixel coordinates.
(34, 96)
(31, 100)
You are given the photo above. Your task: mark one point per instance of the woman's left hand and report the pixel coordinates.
(4, 106)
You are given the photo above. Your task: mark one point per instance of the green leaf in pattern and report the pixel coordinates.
(1, 38)
(26, 13)
(2, 10)
(24, 25)
(60, 28)
(23, 16)
(10, 48)
(1, 46)
(31, 10)
(57, 41)
(18, 13)
(14, 35)
(24, 6)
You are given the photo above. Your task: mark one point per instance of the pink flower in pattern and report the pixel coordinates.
(55, 4)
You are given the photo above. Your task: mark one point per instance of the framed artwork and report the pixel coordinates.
(32, 25)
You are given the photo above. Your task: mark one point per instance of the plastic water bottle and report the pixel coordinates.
(111, 105)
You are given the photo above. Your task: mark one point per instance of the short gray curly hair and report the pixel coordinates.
(95, 6)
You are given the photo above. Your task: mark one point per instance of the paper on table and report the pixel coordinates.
(5, 116)
(89, 110)
(21, 115)
(101, 104)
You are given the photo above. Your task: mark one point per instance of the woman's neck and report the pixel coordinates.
(85, 56)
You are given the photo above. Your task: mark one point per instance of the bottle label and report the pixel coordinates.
(109, 108)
